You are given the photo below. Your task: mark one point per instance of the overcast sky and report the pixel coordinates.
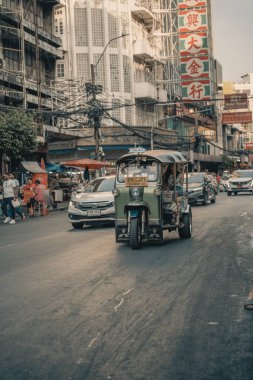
(233, 37)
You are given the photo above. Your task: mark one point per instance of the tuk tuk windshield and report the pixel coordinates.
(147, 169)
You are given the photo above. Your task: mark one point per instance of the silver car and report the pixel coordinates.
(94, 205)
(240, 182)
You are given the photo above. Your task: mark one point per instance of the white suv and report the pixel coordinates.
(240, 182)
(94, 205)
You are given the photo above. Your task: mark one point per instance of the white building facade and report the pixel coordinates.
(128, 68)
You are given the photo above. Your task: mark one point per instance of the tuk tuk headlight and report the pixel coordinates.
(157, 191)
(134, 192)
(116, 192)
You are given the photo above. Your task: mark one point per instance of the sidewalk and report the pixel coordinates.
(60, 207)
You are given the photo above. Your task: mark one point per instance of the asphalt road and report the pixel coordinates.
(76, 305)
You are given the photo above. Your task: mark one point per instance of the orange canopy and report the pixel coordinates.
(83, 162)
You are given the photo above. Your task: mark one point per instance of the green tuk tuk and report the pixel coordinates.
(150, 197)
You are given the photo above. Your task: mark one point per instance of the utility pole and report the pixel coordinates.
(96, 118)
(92, 88)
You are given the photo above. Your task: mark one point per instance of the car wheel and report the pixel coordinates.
(235, 193)
(214, 199)
(229, 193)
(78, 226)
(186, 231)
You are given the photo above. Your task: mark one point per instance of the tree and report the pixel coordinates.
(18, 133)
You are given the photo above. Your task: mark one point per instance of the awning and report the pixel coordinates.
(32, 167)
(82, 163)
(55, 168)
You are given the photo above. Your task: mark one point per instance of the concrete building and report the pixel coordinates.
(238, 135)
(28, 52)
(124, 41)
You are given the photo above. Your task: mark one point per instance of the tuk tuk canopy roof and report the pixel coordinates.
(163, 156)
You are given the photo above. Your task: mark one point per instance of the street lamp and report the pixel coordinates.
(93, 68)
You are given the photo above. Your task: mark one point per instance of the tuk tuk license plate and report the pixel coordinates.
(94, 213)
(136, 181)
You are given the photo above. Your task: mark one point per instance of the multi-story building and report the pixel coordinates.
(123, 41)
(28, 52)
(238, 133)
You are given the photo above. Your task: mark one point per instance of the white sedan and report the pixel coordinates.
(94, 205)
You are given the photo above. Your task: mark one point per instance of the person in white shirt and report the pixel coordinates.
(9, 194)
(18, 209)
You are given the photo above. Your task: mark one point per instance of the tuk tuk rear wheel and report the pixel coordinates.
(134, 236)
(186, 231)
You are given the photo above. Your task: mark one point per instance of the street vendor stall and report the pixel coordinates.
(33, 170)
(87, 162)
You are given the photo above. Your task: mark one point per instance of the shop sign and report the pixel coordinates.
(182, 4)
(236, 101)
(194, 43)
(200, 90)
(195, 67)
(236, 117)
(195, 20)
(249, 146)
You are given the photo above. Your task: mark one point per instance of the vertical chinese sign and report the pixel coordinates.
(194, 50)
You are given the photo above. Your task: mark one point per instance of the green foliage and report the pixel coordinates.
(227, 162)
(18, 133)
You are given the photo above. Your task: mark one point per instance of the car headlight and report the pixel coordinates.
(197, 190)
(73, 203)
(116, 192)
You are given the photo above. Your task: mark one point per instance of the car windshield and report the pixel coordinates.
(244, 173)
(143, 169)
(196, 178)
(100, 185)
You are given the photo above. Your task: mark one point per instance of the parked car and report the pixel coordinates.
(241, 181)
(200, 189)
(94, 205)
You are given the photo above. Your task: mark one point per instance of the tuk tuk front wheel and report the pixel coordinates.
(134, 236)
(186, 231)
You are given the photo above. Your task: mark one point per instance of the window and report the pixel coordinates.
(83, 67)
(114, 68)
(60, 26)
(60, 70)
(97, 27)
(81, 31)
(126, 70)
(56, 26)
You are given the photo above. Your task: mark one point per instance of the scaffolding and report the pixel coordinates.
(167, 14)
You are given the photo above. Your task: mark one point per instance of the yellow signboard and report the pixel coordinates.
(136, 181)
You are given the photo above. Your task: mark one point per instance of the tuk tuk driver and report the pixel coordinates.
(168, 177)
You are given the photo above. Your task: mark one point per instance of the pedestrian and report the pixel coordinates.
(40, 198)
(10, 193)
(86, 175)
(17, 203)
(1, 196)
(29, 197)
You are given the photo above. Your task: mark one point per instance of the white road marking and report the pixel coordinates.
(234, 295)
(117, 306)
(93, 340)
(7, 246)
(128, 291)
(213, 323)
